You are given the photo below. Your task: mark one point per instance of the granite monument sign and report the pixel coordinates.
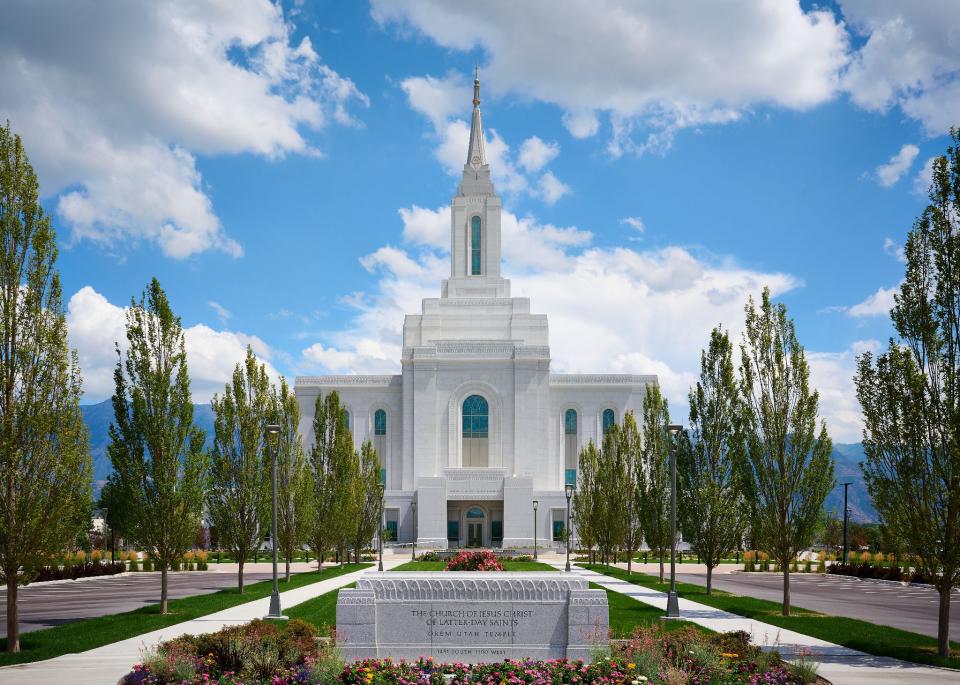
(471, 617)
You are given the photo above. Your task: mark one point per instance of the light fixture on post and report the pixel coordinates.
(413, 552)
(271, 433)
(380, 524)
(568, 489)
(673, 603)
(535, 504)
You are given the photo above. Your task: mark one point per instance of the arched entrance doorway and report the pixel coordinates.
(475, 518)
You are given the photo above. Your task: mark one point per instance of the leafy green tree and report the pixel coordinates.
(156, 449)
(366, 502)
(116, 506)
(45, 464)
(655, 478)
(332, 470)
(911, 396)
(587, 497)
(238, 497)
(611, 507)
(631, 451)
(788, 470)
(711, 507)
(294, 486)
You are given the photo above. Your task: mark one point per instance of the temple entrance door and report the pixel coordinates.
(474, 535)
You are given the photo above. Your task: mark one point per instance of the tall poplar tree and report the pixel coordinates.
(612, 496)
(332, 470)
(367, 503)
(788, 470)
(631, 451)
(911, 397)
(294, 486)
(155, 447)
(586, 497)
(655, 478)
(45, 465)
(238, 497)
(712, 509)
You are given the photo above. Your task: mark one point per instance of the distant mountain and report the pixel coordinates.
(847, 470)
(98, 418)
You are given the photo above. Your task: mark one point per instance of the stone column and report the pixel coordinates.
(432, 512)
(517, 512)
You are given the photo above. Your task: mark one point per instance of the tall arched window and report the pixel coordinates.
(476, 240)
(570, 446)
(609, 420)
(346, 419)
(476, 420)
(380, 441)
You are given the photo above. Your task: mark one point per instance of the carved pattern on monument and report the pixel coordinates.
(471, 589)
(466, 483)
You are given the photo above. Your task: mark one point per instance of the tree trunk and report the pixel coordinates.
(163, 587)
(287, 578)
(785, 567)
(661, 566)
(943, 623)
(709, 578)
(240, 576)
(13, 632)
(630, 559)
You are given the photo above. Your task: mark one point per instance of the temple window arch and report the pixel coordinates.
(475, 431)
(476, 246)
(608, 421)
(571, 445)
(380, 441)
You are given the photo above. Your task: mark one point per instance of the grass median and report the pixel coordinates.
(79, 636)
(849, 632)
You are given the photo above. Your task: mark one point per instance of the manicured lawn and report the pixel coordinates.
(849, 632)
(441, 565)
(79, 636)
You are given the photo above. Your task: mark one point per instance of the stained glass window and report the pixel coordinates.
(475, 417)
(570, 422)
(380, 422)
(609, 420)
(475, 242)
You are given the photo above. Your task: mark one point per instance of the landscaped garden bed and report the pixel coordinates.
(280, 654)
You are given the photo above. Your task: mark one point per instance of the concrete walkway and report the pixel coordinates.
(106, 665)
(839, 665)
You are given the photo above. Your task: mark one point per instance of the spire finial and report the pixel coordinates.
(476, 85)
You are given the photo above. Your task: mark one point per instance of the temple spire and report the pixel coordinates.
(476, 157)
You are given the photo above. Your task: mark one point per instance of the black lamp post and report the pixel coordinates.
(380, 525)
(846, 515)
(271, 431)
(413, 553)
(673, 603)
(568, 489)
(535, 504)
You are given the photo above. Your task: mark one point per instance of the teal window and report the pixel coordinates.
(570, 422)
(496, 531)
(570, 477)
(557, 530)
(609, 420)
(391, 531)
(346, 418)
(380, 422)
(476, 417)
(475, 513)
(383, 477)
(475, 243)
(453, 531)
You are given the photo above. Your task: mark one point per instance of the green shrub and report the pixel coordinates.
(134, 564)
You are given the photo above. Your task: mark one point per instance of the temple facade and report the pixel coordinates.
(476, 429)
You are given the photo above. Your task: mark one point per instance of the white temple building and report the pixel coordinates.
(476, 429)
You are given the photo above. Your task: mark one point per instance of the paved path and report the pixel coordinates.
(840, 665)
(44, 605)
(907, 607)
(106, 665)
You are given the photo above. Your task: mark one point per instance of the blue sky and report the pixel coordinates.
(284, 170)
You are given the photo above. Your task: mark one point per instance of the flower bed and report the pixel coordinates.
(475, 561)
(262, 653)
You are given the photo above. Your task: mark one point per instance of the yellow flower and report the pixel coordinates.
(631, 666)
(728, 655)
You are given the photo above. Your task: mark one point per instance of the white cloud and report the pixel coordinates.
(878, 304)
(221, 311)
(439, 99)
(634, 222)
(911, 58)
(608, 307)
(652, 68)
(536, 154)
(429, 227)
(831, 373)
(116, 100)
(924, 177)
(898, 165)
(895, 250)
(551, 188)
(96, 326)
